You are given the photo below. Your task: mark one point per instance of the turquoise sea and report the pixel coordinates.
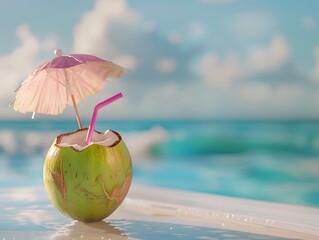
(267, 160)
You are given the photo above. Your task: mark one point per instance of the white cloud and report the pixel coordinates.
(269, 57)
(283, 100)
(218, 73)
(308, 21)
(49, 44)
(176, 101)
(251, 24)
(124, 32)
(16, 66)
(91, 34)
(250, 100)
(166, 65)
(316, 69)
(261, 101)
(127, 61)
(254, 93)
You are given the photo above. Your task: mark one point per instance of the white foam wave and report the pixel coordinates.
(26, 142)
(139, 143)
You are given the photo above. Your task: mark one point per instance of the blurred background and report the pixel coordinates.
(221, 96)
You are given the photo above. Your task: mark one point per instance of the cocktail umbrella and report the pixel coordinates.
(66, 79)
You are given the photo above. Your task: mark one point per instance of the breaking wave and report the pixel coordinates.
(25, 142)
(38, 142)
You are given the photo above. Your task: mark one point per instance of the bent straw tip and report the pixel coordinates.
(95, 112)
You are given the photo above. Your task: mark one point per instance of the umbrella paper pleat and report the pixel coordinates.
(27, 101)
(44, 95)
(88, 86)
(50, 101)
(62, 93)
(79, 92)
(20, 99)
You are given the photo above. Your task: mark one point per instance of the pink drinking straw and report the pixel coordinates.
(95, 112)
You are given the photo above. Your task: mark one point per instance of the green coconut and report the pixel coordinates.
(87, 183)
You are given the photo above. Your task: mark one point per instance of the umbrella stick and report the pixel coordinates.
(76, 112)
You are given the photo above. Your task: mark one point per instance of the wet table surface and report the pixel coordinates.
(152, 213)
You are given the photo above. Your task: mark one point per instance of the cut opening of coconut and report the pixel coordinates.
(76, 139)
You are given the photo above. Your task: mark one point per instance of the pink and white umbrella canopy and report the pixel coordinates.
(64, 80)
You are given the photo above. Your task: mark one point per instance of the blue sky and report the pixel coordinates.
(202, 59)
